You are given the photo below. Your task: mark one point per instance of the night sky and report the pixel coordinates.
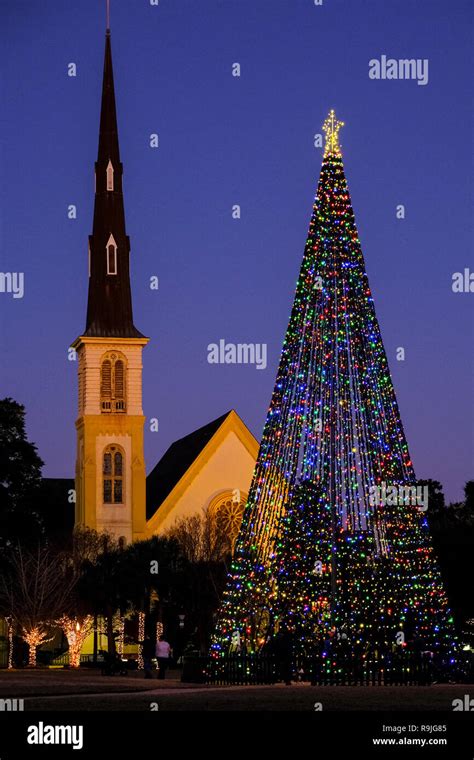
(249, 141)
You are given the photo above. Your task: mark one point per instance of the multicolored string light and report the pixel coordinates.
(332, 433)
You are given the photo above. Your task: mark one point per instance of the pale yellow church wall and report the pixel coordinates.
(88, 646)
(95, 431)
(115, 518)
(230, 467)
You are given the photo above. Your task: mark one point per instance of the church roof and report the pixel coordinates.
(176, 461)
(57, 509)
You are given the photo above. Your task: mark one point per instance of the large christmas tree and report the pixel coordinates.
(322, 549)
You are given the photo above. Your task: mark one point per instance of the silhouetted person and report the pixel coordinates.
(163, 652)
(284, 654)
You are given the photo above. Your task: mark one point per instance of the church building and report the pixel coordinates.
(208, 470)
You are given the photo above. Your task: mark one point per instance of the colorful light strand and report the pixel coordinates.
(333, 432)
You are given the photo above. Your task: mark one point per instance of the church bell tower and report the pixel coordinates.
(110, 466)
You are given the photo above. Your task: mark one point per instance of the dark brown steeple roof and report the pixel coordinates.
(109, 307)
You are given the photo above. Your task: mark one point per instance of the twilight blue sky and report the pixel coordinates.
(247, 141)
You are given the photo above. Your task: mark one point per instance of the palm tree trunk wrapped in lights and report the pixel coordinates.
(76, 631)
(34, 637)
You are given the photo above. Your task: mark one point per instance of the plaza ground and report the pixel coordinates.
(89, 691)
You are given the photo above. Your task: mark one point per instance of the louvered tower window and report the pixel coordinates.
(112, 384)
(113, 475)
(119, 386)
(106, 386)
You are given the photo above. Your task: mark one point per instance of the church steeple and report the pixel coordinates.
(109, 308)
(110, 462)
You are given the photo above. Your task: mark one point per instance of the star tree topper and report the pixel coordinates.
(331, 128)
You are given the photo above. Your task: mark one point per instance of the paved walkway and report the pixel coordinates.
(89, 691)
(298, 697)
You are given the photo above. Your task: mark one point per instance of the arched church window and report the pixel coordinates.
(119, 385)
(118, 461)
(226, 512)
(112, 384)
(106, 385)
(107, 463)
(113, 475)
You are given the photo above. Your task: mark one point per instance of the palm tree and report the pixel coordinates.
(152, 568)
